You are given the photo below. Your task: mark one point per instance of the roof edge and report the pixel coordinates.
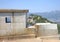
(13, 10)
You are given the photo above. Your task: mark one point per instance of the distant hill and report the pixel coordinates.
(52, 16)
(33, 18)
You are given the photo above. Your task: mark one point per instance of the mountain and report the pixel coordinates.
(52, 16)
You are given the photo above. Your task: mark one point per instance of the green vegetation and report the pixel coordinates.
(39, 19)
(32, 19)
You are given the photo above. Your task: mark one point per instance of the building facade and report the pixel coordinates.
(12, 21)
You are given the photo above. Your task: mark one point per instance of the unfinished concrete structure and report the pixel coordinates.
(12, 21)
(46, 29)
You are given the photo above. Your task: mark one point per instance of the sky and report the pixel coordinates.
(31, 5)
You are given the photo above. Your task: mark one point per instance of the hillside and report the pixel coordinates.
(52, 15)
(33, 18)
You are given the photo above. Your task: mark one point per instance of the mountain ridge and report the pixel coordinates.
(52, 16)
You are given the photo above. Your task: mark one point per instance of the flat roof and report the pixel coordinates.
(13, 10)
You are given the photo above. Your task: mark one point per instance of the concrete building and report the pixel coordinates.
(12, 21)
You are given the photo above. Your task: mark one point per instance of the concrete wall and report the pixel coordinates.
(16, 27)
(47, 29)
(19, 22)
